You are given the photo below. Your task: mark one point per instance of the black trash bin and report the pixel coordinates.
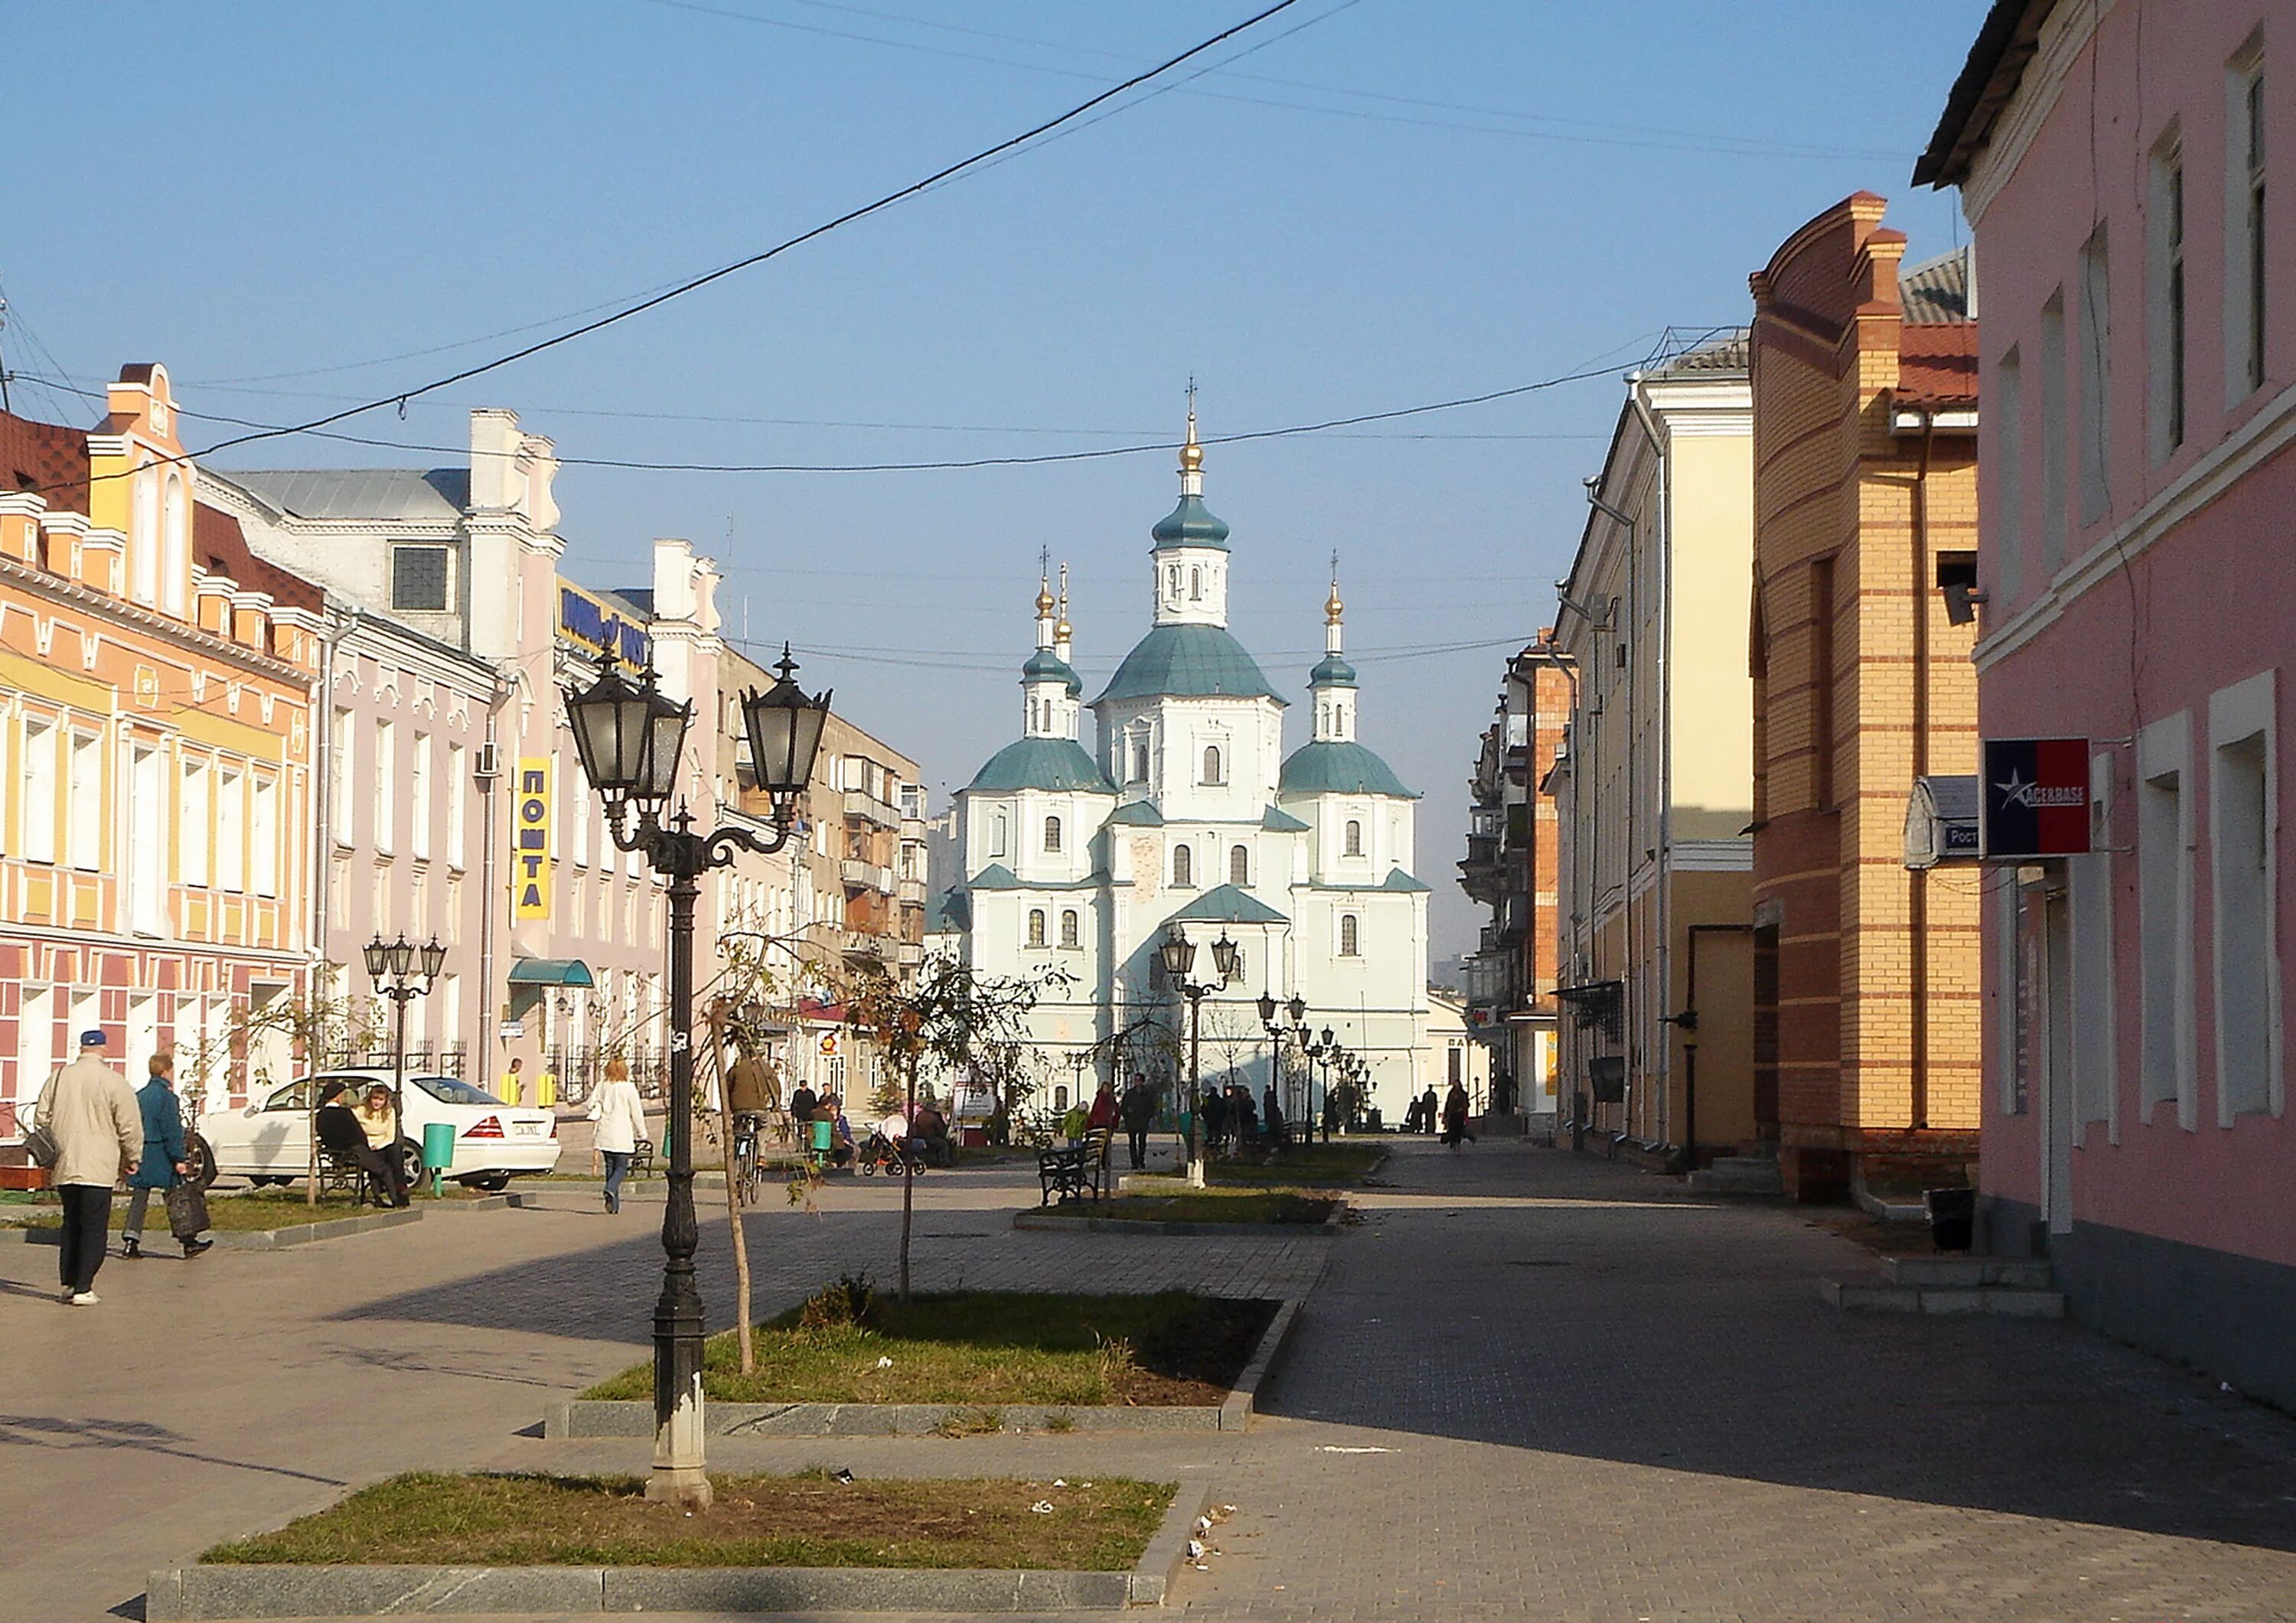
(1953, 1217)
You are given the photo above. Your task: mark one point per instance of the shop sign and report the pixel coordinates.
(2034, 798)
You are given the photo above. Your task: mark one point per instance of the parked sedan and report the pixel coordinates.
(269, 1142)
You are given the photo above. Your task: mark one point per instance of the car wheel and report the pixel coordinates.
(410, 1162)
(201, 1159)
(491, 1182)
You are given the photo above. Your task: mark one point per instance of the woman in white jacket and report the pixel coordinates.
(620, 1118)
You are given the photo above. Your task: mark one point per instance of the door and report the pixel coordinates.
(2044, 1040)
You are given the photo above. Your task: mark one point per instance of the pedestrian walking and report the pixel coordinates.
(1215, 1114)
(1138, 1109)
(1455, 1116)
(1271, 1117)
(166, 1160)
(620, 1118)
(91, 1113)
(1243, 1119)
(1429, 1115)
(1103, 1113)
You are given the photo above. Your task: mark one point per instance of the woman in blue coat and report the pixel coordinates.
(166, 1156)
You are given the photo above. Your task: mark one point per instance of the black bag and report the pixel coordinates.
(41, 1145)
(187, 1210)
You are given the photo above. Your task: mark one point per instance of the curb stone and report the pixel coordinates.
(1059, 1222)
(257, 1239)
(194, 1593)
(590, 1417)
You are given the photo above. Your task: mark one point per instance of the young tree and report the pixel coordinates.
(951, 1018)
(312, 1029)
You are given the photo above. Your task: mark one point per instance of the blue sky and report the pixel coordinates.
(1404, 202)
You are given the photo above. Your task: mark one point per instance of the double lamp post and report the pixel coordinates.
(1179, 956)
(629, 736)
(393, 966)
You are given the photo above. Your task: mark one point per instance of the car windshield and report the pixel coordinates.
(445, 1090)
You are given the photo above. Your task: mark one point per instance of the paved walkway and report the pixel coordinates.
(1528, 1387)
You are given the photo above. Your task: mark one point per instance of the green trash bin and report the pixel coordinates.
(437, 1150)
(823, 1137)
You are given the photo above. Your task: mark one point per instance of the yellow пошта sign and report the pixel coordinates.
(531, 839)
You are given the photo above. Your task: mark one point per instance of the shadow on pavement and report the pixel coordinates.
(54, 1431)
(1627, 1330)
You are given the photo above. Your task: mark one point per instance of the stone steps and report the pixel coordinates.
(2004, 1287)
(1739, 1175)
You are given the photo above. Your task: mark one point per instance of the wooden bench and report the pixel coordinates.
(1073, 1174)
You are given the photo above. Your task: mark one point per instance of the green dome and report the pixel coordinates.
(1336, 768)
(1046, 665)
(1331, 671)
(1188, 662)
(1190, 524)
(1041, 763)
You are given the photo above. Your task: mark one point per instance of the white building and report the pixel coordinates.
(1188, 816)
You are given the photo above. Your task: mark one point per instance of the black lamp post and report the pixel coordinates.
(1179, 956)
(1271, 1015)
(629, 736)
(393, 967)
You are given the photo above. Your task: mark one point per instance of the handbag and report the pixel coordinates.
(187, 1210)
(41, 1145)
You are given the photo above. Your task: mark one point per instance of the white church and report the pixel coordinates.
(1187, 815)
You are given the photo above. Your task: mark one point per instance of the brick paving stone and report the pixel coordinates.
(1600, 1399)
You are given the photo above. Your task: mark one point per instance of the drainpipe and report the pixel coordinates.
(1662, 971)
(482, 1054)
(1917, 900)
(1624, 520)
(338, 625)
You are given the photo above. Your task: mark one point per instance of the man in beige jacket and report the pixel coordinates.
(98, 1133)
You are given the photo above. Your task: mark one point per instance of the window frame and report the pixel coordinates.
(1053, 834)
(1183, 866)
(1351, 837)
(1350, 935)
(413, 551)
(2242, 716)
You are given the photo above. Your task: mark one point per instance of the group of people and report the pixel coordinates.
(1235, 1124)
(1452, 1115)
(364, 1131)
(97, 1131)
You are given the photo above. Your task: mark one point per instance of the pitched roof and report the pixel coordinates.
(2007, 41)
(1188, 662)
(1228, 904)
(951, 911)
(1723, 352)
(218, 548)
(1396, 880)
(1937, 364)
(386, 494)
(1274, 822)
(1041, 763)
(47, 459)
(1330, 767)
(1937, 290)
(1138, 814)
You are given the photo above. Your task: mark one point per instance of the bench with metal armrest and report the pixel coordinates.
(1078, 1172)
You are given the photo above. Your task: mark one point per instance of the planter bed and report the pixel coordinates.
(333, 1224)
(1168, 1207)
(521, 1543)
(1199, 1373)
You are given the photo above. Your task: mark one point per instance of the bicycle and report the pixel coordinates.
(749, 1160)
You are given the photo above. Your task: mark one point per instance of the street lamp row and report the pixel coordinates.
(1179, 956)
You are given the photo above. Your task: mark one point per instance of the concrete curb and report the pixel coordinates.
(1060, 1222)
(192, 1593)
(591, 1417)
(259, 1240)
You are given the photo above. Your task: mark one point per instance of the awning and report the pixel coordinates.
(550, 972)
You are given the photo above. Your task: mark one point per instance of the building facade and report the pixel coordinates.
(156, 681)
(2139, 461)
(1513, 868)
(1190, 818)
(1655, 789)
(1864, 403)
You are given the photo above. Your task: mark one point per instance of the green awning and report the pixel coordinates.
(550, 972)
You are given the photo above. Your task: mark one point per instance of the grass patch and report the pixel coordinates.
(1310, 1166)
(252, 1212)
(807, 1520)
(971, 1422)
(986, 1348)
(1214, 1205)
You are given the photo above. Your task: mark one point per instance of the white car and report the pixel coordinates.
(269, 1142)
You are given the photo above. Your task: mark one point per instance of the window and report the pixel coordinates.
(2242, 796)
(1213, 765)
(2053, 434)
(1351, 936)
(2090, 886)
(1195, 585)
(458, 775)
(342, 751)
(143, 538)
(193, 831)
(1036, 926)
(418, 579)
(1174, 578)
(385, 784)
(84, 801)
(1821, 684)
(1139, 760)
(2244, 251)
(39, 768)
(1051, 835)
(2006, 522)
(147, 844)
(420, 795)
(2094, 369)
(1070, 925)
(1239, 865)
(2165, 300)
(2164, 898)
(999, 832)
(1354, 847)
(263, 834)
(175, 546)
(1183, 866)
(231, 831)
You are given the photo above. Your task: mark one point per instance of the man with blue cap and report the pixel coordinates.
(98, 1127)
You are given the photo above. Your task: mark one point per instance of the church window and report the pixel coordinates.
(1036, 926)
(1068, 925)
(1195, 585)
(1175, 583)
(1213, 765)
(1238, 866)
(1350, 936)
(1059, 1098)
(1354, 838)
(1139, 757)
(997, 836)
(1051, 834)
(1183, 865)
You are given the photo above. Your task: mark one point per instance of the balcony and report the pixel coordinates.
(913, 953)
(859, 875)
(912, 891)
(859, 803)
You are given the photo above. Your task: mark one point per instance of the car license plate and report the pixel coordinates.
(527, 1129)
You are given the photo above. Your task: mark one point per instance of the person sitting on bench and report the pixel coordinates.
(343, 1134)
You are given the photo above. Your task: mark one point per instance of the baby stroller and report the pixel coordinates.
(881, 1154)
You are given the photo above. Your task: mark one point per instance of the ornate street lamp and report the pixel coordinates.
(1271, 1015)
(629, 736)
(1179, 956)
(394, 966)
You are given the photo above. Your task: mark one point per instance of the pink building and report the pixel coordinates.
(2138, 352)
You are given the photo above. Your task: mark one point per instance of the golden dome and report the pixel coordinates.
(1062, 633)
(1044, 599)
(1332, 607)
